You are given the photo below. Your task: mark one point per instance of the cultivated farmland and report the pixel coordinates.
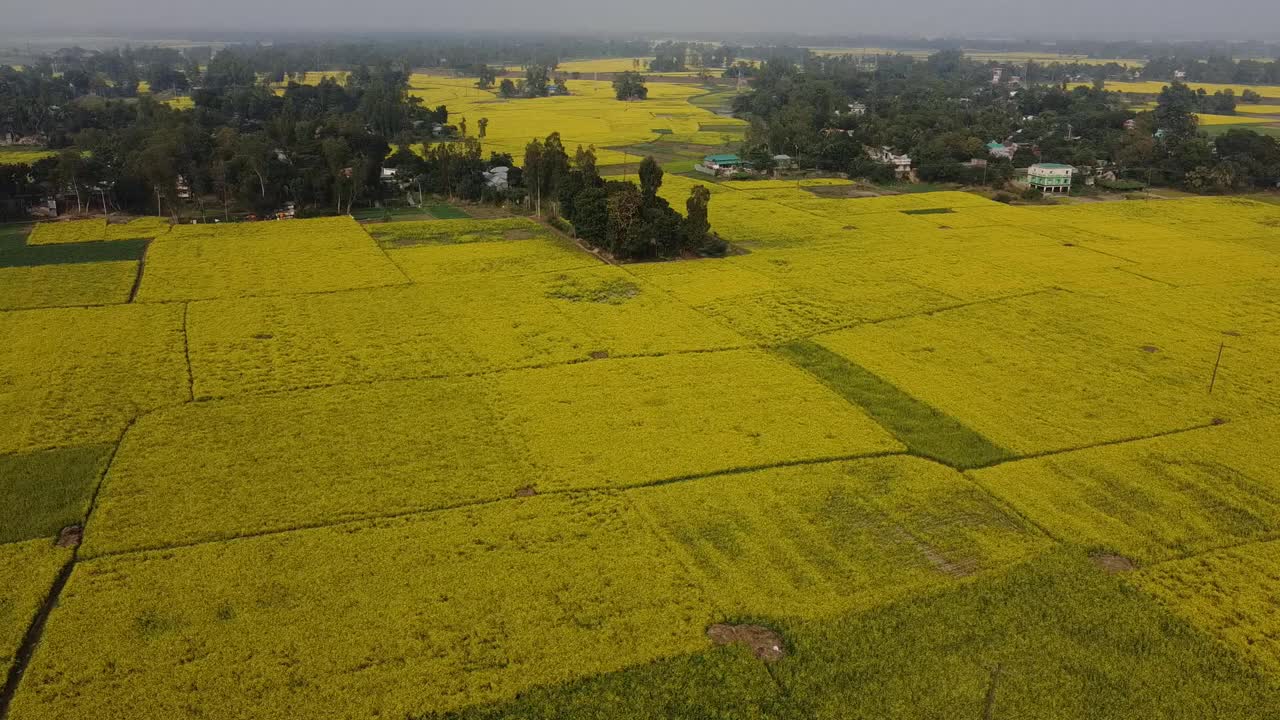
(963, 458)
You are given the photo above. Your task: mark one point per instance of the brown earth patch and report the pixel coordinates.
(263, 336)
(1149, 349)
(70, 536)
(598, 354)
(518, 235)
(765, 644)
(1113, 564)
(1231, 333)
(526, 491)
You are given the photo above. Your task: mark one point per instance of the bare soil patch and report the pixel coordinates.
(70, 536)
(765, 644)
(518, 235)
(526, 491)
(1113, 564)
(1149, 349)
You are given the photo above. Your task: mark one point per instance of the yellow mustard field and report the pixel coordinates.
(489, 437)
(1154, 499)
(813, 540)
(195, 262)
(1209, 119)
(590, 116)
(1229, 593)
(40, 286)
(27, 571)
(77, 376)
(467, 465)
(401, 616)
(75, 231)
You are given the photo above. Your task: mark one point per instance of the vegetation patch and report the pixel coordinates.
(43, 492)
(27, 573)
(456, 232)
(928, 211)
(609, 291)
(444, 211)
(923, 429)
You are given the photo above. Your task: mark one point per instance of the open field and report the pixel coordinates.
(965, 459)
(589, 116)
(1013, 58)
(1152, 87)
(22, 155)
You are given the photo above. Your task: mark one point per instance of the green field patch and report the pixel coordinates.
(1052, 639)
(923, 429)
(719, 684)
(928, 211)
(456, 231)
(661, 131)
(445, 211)
(43, 492)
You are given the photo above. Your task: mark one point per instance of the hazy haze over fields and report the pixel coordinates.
(1165, 19)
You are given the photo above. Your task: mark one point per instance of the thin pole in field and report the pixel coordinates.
(1216, 363)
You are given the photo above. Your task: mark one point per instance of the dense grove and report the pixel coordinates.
(944, 110)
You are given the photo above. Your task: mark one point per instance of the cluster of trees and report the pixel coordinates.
(320, 147)
(1213, 69)
(944, 110)
(629, 222)
(630, 86)
(537, 82)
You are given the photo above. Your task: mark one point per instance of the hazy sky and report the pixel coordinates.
(1172, 19)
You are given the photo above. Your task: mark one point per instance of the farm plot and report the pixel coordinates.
(674, 416)
(1230, 593)
(398, 617)
(436, 263)
(1057, 639)
(196, 262)
(458, 232)
(1056, 370)
(76, 231)
(1155, 499)
(27, 571)
(216, 470)
(448, 327)
(78, 376)
(348, 452)
(818, 540)
(42, 286)
(43, 492)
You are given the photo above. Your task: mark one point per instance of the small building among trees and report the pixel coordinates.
(1051, 178)
(717, 165)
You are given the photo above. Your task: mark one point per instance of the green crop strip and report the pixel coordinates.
(923, 429)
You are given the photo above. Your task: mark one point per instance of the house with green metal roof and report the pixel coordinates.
(724, 164)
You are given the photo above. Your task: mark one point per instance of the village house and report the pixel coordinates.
(1050, 178)
(901, 163)
(717, 165)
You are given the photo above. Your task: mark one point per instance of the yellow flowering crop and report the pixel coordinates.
(816, 540)
(74, 376)
(1258, 109)
(1229, 593)
(22, 155)
(264, 258)
(73, 231)
(453, 325)
(390, 618)
(39, 286)
(442, 263)
(1208, 119)
(27, 572)
(1154, 499)
(669, 417)
(299, 459)
(1058, 370)
(456, 232)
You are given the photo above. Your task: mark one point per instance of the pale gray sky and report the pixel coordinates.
(1159, 19)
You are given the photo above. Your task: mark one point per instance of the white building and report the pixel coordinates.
(901, 163)
(1050, 178)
